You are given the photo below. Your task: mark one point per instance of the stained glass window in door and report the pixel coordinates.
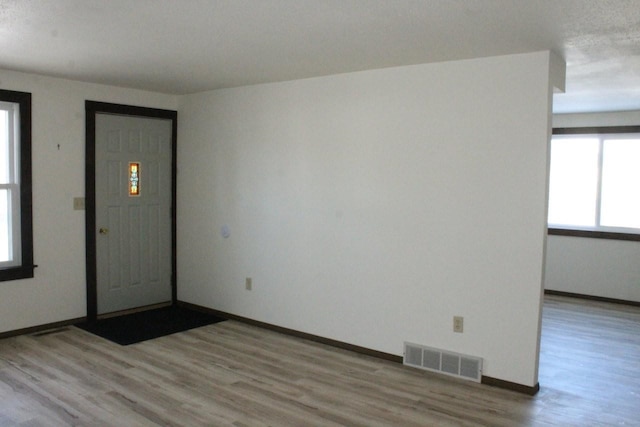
(134, 179)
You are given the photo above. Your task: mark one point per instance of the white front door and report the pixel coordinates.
(133, 211)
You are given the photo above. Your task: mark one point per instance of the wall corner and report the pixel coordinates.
(557, 72)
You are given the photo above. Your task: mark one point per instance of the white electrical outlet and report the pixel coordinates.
(458, 324)
(248, 283)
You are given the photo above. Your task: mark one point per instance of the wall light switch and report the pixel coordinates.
(78, 203)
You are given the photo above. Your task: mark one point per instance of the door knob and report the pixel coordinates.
(104, 230)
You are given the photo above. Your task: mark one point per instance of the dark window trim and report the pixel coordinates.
(593, 234)
(599, 130)
(91, 109)
(24, 271)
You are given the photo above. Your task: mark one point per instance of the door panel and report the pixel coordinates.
(133, 232)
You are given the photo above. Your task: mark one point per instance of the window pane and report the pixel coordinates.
(5, 243)
(573, 185)
(4, 147)
(621, 183)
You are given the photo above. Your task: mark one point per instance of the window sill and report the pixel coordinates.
(594, 234)
(16, 273)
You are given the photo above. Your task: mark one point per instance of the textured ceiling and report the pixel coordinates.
(185, 46)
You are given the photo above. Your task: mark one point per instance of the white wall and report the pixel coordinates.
(617, 118)
(372, 207)
(58, 291)
(596, 267)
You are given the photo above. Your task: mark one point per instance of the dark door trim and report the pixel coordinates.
(91, 109)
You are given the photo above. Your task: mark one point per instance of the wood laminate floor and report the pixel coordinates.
(231, 373)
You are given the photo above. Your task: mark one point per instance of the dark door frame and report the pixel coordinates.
(91, 109)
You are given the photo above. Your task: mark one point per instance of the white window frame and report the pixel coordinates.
(13, 186)
(598, 231)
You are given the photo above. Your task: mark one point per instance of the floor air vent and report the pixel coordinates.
(445, 362)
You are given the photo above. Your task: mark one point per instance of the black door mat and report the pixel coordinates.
(146, 325)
